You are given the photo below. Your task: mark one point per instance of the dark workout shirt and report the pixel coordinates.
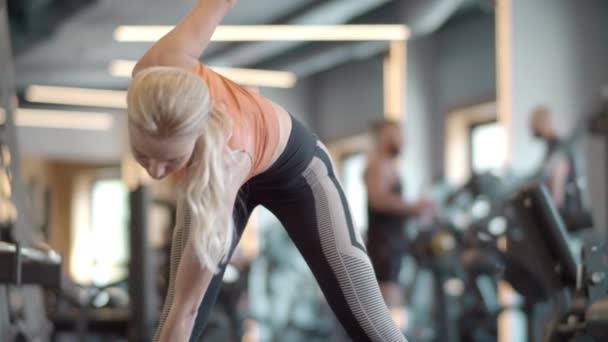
(558, 150)
(386, 230)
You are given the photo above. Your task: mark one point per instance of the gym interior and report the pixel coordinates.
(85, 232)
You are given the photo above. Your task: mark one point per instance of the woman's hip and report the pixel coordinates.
(296, 156)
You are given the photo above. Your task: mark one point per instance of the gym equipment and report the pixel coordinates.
(22, 310)
(142, 285)
(542, 267)
(537, 247)
(23, 266)
(458, 251)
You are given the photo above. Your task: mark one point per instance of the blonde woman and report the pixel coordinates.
(237, 150)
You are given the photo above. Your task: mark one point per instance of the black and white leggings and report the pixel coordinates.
(302, 191)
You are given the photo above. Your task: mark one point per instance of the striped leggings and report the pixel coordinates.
(302, 191)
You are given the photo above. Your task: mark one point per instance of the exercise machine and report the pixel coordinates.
(24, 270)
(459, 254)
(542, 267)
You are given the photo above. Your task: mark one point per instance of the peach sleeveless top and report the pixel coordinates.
(255, 126)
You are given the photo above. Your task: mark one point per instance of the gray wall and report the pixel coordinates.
(466, 62)
(560, 61)
(422, 134)
(452, 67)
(345, 99)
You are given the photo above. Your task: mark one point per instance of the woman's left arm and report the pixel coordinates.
(185, 43)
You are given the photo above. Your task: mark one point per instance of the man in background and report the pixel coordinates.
(558, 164)
(388, 214)
(559, 171)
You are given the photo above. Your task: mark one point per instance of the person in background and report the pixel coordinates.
(558, 161)
(560, 171)
(388, 213)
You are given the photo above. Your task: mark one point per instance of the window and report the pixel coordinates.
(109, 231)
(353, 167)
(488, 147)
(470, 143)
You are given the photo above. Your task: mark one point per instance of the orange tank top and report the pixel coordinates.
(255, 125)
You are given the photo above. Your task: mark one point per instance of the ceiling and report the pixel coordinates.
(79, 50)
(69, 43)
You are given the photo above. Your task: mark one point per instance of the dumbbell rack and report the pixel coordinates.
(22, 270)
(26, 266)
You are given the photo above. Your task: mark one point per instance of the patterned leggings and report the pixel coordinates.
(302, 191)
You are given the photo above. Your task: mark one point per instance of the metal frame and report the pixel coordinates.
(37, 326)
(142, 285)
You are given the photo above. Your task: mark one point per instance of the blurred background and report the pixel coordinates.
(463, 78)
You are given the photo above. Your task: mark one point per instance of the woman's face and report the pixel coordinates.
(161, 156)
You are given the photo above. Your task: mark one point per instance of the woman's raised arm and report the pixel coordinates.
(185, 43)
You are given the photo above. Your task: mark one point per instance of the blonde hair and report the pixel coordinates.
(168, 101)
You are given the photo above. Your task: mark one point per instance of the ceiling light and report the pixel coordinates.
(241, 33)
(257, 77)
(77, 96)
(45, 118)
(121, 68)
(246, 77)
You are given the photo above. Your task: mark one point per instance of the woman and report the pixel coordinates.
(237, 150)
